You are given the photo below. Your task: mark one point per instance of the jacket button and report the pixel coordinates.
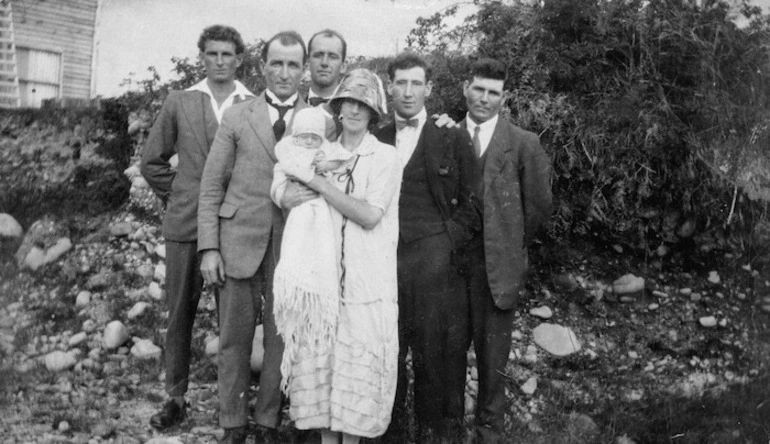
(454, 201)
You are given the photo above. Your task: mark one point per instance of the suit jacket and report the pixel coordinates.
(235, 214)
(185, 126)
(516, 201)
(453, 176)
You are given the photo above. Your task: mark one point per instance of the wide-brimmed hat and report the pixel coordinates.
(364, 86)
(309, 120)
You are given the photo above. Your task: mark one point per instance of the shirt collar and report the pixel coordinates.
(241, 91)
(278, 102)
(421, 117)
(312, 94)
(489, 125)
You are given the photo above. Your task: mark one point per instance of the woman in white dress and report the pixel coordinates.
(344, 383)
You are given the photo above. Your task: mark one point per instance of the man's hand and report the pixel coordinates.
(444, 120)
(295, 194)
(213, 268)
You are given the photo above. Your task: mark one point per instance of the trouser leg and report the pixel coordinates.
(240, 302)
(440, 335)
(267, 411)
(492, 329)
(183, 291)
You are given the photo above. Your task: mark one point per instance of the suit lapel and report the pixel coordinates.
(195, 106)
(259, 119)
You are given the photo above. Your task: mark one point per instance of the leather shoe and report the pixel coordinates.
(266, 435)
(171, 414)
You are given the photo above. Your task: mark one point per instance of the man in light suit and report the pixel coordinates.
(515, 201)
(186, 126)
(436, 218)
(239, 235)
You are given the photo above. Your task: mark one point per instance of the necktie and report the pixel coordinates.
(279, 127)
(476, 141)
(401, 124)
(315, 101)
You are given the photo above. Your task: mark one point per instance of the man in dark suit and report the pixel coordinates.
(326, 51)
(239, 235)
(185, 127)
(436, 218)
(515, 202)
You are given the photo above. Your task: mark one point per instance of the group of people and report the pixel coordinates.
(357, 241)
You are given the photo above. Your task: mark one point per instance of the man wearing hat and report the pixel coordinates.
(436, 218)
(239, 236)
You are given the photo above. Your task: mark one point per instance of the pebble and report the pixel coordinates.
(154, 291)
(160, 250)
(145, 349)
(115, 334)
(137, 310)
(529, 387)
(708, 321)
(160, 272)
(543, 312)
(556, 339)
(633, 355)
(121, 229)
(628, 284)
(714, 277)
(77, 339)
(685, 291)
(83, 298)
(695, 297)
(654, 306)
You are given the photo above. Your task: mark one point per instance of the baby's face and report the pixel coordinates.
(308, 140)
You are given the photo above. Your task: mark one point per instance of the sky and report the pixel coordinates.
(134, 34)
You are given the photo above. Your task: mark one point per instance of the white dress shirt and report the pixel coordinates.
(291, 101)
(486, 130)
(240, 91)
(407, 137)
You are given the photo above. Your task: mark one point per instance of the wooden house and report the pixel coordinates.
(46, 51)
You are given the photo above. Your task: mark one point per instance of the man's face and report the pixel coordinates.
(326, 64)
(220, 60)
(283, 69)
(408, 88)
(483, 97)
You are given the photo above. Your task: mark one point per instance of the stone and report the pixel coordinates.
(565, 282)
(556, 339)
(154, 291)
(257, 350)
(160, 272)
(580, 425)
(708, 321)
(164, 440)
(529, 387)
(83, 299)
(11, 234)
(686, 229)
(144, 349)
(115, 334)
(34, 259)
(661, 251)
(58, 360)
(160, 250)
(714, 277)
(99, 281)
(63, 427)
(685, 291)
(137, 310)
(140, 183)
(628, 284)
(543, 312)
(61, 246)
(121, 229)
(77, 339)
(212, 346)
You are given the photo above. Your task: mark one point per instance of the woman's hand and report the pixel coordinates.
(296, 194)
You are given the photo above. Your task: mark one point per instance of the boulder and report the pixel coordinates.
(555, 339)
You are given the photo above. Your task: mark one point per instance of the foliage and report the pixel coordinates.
(654, 113)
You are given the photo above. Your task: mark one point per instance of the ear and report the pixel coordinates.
(343, 69)
(466, 84)
(201, 57)
(389, 88)
(428, 88)
(239, 60)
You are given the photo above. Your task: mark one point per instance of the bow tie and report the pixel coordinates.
(401, 124)
(315, 101)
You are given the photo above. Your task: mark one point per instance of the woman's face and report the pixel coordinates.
(355, 116)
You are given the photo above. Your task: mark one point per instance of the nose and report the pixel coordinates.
(220, 59)
(325, 61)
(408, 90)
(284, 72)
(485, 97)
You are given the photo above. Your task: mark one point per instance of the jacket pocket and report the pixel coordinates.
(227, 210)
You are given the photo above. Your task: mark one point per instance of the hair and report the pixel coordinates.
(408, 60)
(488, 69)
(336, 107)
(329, 33)
(221, 33)
(286, 38)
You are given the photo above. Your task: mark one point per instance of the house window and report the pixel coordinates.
(39, 75)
